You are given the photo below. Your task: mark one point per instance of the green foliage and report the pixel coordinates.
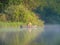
(19, 13)
(30, 5)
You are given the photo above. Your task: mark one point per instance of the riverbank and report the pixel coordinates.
(10, 24)
(16, 25)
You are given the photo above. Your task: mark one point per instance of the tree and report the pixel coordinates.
(19, 13)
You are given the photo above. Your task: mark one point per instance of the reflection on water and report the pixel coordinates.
(18, 37)
(50, 36)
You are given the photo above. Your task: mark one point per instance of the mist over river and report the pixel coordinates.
(49, 36)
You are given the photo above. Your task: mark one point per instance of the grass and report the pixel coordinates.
(10, 24)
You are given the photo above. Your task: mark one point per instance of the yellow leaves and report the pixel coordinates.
(2, 17)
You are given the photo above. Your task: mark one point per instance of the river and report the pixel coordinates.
(49, 36)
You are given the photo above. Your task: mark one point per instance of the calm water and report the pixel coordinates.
(49, 36)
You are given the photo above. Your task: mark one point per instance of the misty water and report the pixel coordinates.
(49, 36)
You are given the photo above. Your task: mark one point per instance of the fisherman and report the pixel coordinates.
(30, 26)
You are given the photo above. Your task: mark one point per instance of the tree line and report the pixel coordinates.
(15, 10)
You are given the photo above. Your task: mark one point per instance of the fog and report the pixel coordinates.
(49, 36)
